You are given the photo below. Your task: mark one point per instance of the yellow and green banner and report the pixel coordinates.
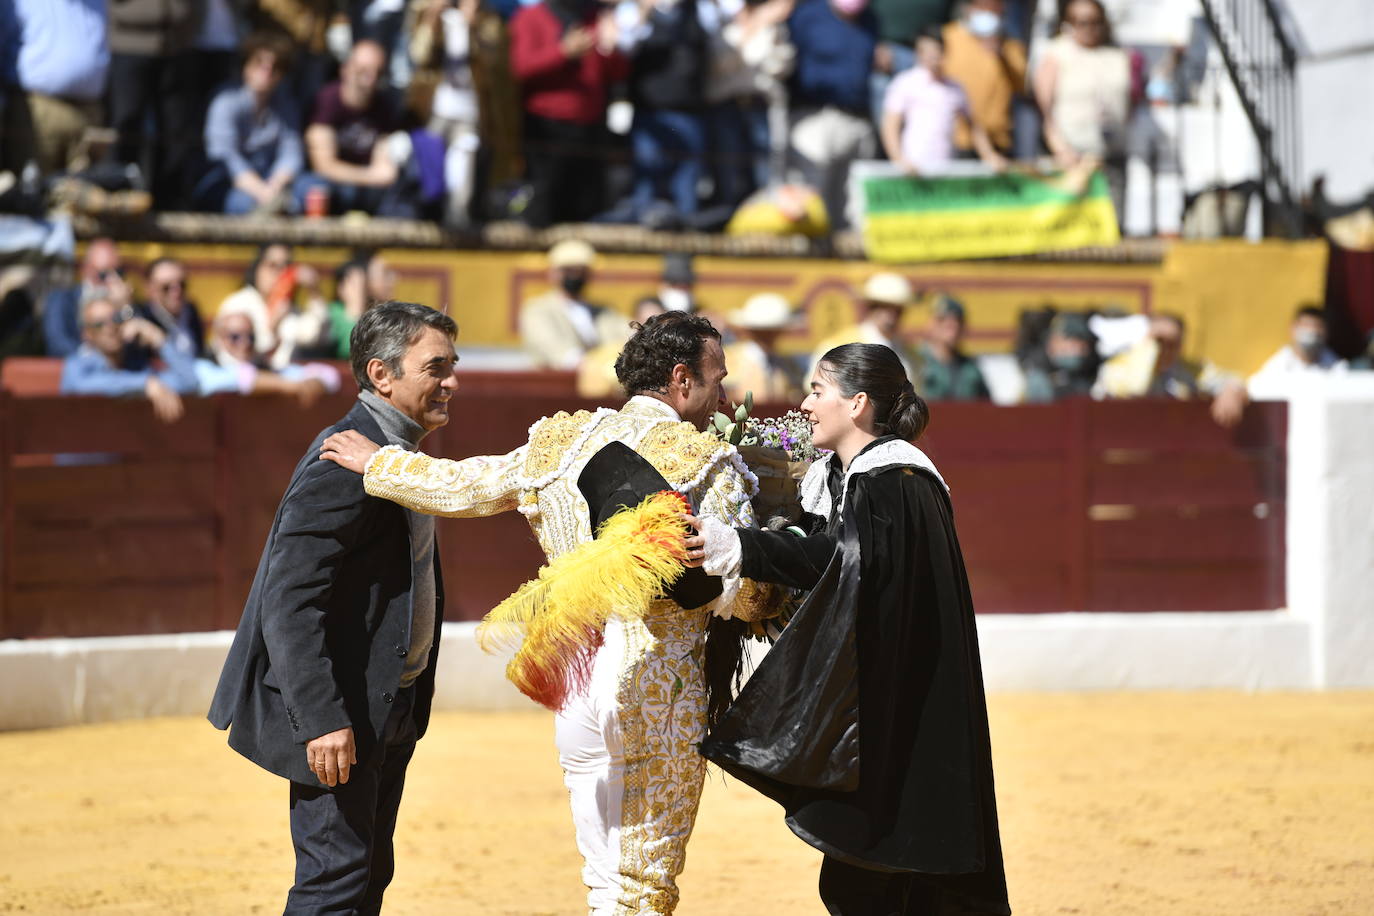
(984, 216)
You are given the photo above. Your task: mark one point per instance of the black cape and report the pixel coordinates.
(867, 719)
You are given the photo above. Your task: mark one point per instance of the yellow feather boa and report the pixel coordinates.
(559, 618)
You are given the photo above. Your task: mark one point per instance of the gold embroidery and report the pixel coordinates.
(679, 451)
(662, 702)
(551, 439)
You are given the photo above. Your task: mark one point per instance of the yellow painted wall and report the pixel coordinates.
(1237, 296)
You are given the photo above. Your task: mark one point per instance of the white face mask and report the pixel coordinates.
(674, 299)
(984, 23)
(1308, 340)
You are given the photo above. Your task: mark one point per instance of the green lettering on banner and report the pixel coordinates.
(902, 194)
(956, 218)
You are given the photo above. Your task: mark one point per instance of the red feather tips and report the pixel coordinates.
(564, 672)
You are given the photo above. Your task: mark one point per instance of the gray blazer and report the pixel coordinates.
(326, 628)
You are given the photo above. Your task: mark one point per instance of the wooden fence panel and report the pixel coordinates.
(111, 522)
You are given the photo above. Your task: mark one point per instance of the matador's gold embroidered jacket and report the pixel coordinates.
(540, 477)
(660, 689)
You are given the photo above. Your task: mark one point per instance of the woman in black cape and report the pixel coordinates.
(867, 720)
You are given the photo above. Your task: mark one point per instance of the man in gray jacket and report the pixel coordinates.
(330, 677)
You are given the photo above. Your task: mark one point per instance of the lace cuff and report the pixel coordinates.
(723, 555)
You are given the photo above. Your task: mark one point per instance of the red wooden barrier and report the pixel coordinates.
(113, 523)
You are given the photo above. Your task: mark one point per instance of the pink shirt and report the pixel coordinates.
(928, 108)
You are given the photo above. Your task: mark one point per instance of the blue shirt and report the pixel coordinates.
(834, 57)
(56, 47)
(87, 371)
(266, 142)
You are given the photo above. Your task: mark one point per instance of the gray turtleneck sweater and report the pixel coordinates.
(405, 432)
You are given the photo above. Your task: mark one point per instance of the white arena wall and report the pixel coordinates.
(1324, 639)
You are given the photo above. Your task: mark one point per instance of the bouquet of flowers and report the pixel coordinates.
(777, 449)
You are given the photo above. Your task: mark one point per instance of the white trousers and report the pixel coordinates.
(628, 751)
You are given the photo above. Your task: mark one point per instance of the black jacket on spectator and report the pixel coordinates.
(669, 69)
(323, 638)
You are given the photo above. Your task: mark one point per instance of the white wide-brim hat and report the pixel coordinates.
(763, 312)
(889, 289)
(572, 253)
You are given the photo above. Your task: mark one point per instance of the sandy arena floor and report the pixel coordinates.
(1146, 803)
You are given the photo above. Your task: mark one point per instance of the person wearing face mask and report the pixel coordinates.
(676, 283)
(1068, 365)
(990, 67)
(559, 327)
(1155, 367)
(1305, 353)
(947, 373)
(867, 719)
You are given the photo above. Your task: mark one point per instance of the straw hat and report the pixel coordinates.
(572, 253)
(889, 289)
(763, 312)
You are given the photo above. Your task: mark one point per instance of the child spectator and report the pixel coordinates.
(921, 110)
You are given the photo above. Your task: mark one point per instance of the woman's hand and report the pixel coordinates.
(349, 448)
(695, 544)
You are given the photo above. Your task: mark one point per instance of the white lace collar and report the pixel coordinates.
(642, 403)
(815, 495)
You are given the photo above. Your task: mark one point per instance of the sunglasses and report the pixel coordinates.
(240, 336)
(106, 274)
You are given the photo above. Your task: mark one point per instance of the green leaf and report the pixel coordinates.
(749, 402)
(741, 413)
(721, 421)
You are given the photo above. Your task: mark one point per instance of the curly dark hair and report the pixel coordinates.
(646, 363)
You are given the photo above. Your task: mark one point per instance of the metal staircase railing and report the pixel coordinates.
(1262, 64)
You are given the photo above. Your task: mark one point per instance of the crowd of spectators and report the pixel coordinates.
(286, 327)
(670, 113)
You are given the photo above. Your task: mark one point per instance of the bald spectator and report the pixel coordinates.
(106, 364)
(559, 327)
(947, 373)
(887, 297)
(61, 307)
(355, 155)
(168, 308)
